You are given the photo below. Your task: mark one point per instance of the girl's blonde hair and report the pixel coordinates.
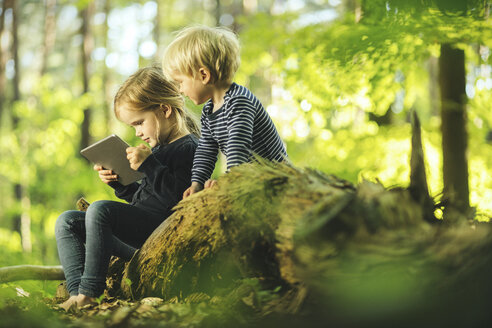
(147, 90)
(215, 48)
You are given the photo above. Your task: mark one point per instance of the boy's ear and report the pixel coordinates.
(204, 75)
(166, 110)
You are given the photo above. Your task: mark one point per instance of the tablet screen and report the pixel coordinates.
(110, 153)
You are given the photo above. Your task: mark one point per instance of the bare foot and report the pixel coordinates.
(83, 300)
(72, 301)
(77, 301)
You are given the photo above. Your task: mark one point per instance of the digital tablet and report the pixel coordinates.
(110, 153)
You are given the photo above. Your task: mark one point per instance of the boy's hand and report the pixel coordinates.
(195, 187)
(136, 155)
(106, 176)
(210, 183)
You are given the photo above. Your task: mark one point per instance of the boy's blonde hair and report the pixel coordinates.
(147, 89)
(215, 48)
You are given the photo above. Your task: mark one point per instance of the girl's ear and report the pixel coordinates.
(166, 110)
(204, 75)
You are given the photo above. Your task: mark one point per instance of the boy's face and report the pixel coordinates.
(196, 88)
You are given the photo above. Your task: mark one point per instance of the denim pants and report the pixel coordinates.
(86, 241)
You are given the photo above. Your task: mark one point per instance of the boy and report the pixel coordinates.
(203, 60)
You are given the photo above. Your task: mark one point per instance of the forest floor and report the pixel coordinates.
(198, 310)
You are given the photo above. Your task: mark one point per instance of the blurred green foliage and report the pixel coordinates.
(319, 82)
(332, 77)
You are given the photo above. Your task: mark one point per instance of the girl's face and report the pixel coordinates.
(152, 127)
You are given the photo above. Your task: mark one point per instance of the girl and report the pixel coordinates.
(153, 106)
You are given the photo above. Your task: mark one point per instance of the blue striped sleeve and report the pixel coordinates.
(240, 131)
(205, 155)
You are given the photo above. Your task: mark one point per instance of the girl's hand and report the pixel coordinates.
(106, 176)
(195, 187)
(136, 155)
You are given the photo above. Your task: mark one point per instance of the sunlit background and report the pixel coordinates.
(338, 79)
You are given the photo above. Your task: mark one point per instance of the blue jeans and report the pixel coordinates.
(86, 241)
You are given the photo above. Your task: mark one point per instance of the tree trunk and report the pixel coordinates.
(106, 73)
(23, 220)
(241, 230)
(15, 56)
(418, 177)
(157, 31)
(363, 256)
(2, 60)
(355, 7)
(452, 81)
(49, 33)
(357, 256)
(321, 241)
(218, 12)
(86, 50)
(433, 69)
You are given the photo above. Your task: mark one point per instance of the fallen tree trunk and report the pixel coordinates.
(322, 245)
(242, 229)
(31, 272)
(256, 224)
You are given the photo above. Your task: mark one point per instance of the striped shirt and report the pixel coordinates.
(239, 129)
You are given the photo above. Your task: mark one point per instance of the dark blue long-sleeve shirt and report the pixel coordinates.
(167, 175)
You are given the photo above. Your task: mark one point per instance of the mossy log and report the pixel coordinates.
(364, 250)
(354, 255)
(244, 228)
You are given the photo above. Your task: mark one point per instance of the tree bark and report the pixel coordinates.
(86, 50)
(355, 7)
(157, 31)
(433, 69)
(217, 12)
(106, 73)
(2, 60)
(15, 56)
(452, 81)
(49, 33)
(418, 178)
(23, 220)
